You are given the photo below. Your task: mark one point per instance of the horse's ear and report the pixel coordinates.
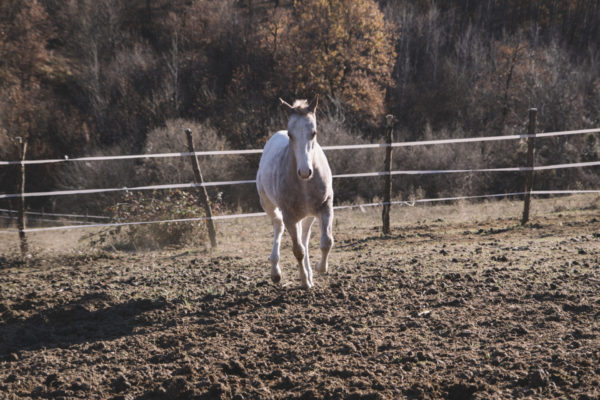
(285, 103)
(312, 107)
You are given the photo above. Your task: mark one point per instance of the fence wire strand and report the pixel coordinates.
(338, 176)
(67, 159)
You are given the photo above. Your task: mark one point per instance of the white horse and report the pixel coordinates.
(294, 185)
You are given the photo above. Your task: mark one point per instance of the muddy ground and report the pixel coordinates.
(439, 309)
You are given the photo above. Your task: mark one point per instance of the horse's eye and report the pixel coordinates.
(313, 134)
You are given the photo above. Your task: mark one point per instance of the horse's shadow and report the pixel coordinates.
(73, 323)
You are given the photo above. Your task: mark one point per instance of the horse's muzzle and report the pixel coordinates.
(305, 174)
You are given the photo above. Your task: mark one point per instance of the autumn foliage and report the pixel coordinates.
(94, 77)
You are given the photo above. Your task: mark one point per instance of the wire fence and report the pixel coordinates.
(67, 159)
(57, 215)
(326, 148)
(249, 181)
(342, 207)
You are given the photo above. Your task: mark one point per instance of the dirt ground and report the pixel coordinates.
(443, 308)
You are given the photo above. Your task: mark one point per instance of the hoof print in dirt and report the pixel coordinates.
(519, 331)
(216, 391)
(537, 378)
(308, 395)
(120, 384)
(285, 383)
(80, 385)
(461, 391)
(178, 388)
(364, 396)
(347, 348)
(52, 381)
(234, 367)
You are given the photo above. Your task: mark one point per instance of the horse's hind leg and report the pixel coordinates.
(326, 222)
(278, 229)
(306, 225)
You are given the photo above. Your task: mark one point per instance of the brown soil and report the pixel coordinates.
(437, 310)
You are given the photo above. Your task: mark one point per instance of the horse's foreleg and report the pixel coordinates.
(299, 251)
(278, 229)
(326, 222)
(306, 225)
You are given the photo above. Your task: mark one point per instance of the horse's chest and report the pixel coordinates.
(304, 200)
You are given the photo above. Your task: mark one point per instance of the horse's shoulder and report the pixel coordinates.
(277, 140)
(279, 135)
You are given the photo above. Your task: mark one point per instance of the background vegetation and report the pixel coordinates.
(88, 77)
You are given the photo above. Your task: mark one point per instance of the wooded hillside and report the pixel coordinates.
(87, 77)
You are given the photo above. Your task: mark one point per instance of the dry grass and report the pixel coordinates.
(239, 236)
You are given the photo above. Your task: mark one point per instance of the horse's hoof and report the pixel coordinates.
(321, 269)
(306, 286)
(276, 278)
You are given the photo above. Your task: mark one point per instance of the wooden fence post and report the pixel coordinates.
(21, 210)
(387, 191)
(204, 194)
(530, 164)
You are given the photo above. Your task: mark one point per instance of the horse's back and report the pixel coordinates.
(270, 163)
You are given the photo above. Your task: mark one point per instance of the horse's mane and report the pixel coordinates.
(300, 106)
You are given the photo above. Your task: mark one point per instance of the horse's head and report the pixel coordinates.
(302, 131)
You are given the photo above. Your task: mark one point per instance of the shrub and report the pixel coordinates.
(171, 139)
(93, 175)
(140, 206)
